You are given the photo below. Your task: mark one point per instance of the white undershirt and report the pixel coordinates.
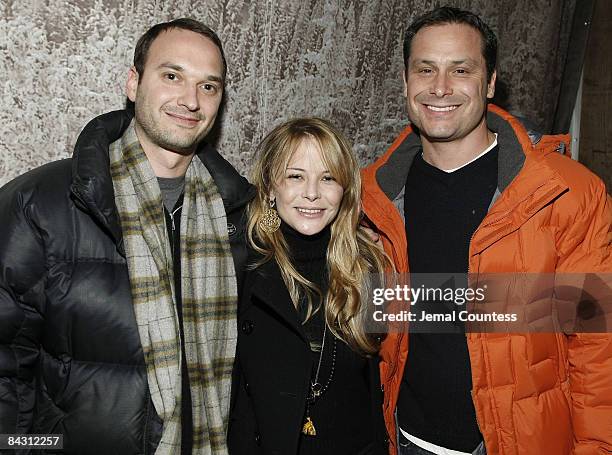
(488, 149)
(438, 450)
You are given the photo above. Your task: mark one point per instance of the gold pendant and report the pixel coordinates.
(308, 428)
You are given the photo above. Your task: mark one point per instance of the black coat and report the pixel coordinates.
(71, 361)
(273, 369)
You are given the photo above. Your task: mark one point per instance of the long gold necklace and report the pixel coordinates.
(316, 388)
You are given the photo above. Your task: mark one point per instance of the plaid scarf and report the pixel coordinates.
(209, 294)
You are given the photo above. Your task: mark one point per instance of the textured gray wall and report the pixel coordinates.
(64, 62)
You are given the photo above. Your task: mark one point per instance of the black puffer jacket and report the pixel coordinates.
(71, 360)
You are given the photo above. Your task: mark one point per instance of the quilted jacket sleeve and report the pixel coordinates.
(588, 250)
(22, 267)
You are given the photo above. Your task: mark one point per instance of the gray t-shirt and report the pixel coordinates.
(171, 189)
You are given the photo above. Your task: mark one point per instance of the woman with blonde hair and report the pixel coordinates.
(306, 376)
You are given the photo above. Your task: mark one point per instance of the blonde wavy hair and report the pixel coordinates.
(351, 254)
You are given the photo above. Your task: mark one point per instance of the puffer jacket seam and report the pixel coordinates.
(79, 259)
(13, 345)
(540, 393)
(107, 363)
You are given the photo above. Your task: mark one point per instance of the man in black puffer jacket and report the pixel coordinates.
(71, 339)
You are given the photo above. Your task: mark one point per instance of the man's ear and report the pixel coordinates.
(491, 85)
(131, 86)
(404, 73)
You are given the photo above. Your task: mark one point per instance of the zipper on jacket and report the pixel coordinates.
(469, 256)
(171, 214)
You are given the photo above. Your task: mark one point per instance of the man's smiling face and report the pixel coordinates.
(446, 83)
(178, 96)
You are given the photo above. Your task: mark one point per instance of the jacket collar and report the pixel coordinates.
(512, 138)
(92, 186)
(235, 190)
(269, 288)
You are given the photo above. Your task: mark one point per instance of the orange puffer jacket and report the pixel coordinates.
(534, 393)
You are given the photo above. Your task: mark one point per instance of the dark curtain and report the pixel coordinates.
(572, 70)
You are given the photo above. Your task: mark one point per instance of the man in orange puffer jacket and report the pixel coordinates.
(467, 188)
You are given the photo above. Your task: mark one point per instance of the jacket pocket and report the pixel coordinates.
(243, 435)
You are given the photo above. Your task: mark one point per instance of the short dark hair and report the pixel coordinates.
(144, 42)
(448, 15)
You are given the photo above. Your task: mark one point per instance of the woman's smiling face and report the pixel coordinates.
(307, 195)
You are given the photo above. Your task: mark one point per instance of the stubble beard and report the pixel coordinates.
(185, 144)
(455, 130)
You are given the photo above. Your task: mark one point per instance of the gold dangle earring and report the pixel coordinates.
(270, 221)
